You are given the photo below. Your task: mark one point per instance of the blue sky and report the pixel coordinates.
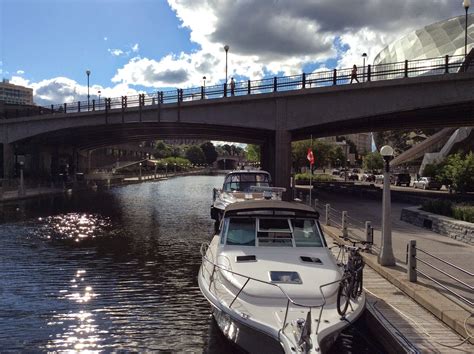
(134, 46)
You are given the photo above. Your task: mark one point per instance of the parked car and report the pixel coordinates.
(355, 170)
(353, 177)
(378, 178)
(399, 179)
(368, 177)
(427, 183)
(335, 172)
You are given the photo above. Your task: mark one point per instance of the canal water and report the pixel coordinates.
(114, 270)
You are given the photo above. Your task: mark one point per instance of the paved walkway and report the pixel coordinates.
(29, 193)
(416, 329)
(458, 253)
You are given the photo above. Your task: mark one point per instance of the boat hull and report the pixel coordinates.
(254, 340)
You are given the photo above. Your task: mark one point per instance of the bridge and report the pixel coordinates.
(272, 112)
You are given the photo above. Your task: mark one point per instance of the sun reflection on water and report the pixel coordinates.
(73, 226)
(80, 333)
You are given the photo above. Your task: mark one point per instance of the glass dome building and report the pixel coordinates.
(435, 40)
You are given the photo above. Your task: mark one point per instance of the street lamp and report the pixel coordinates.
(386, 257)
(226, 48)
(204, 82)
(99, 92)
(88, 73)
(345, 160)
(21, 187)
(140, 177)
(364, 56)
(466, 4)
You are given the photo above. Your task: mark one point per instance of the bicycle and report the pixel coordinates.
(351, 284)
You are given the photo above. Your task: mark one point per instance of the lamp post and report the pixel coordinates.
(466, 4)
(21, 187)
(166, 170)
(99, 92)
(386, 257)
(345, 160)
(204, 82)
(226, 48)
(364, 56)
(88, 73)
(140, 176)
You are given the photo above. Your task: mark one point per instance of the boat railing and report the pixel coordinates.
(205, 248)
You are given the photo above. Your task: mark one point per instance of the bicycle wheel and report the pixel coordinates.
(358, 284)
(343, 296)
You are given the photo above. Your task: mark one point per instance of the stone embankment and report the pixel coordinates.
(456, 229)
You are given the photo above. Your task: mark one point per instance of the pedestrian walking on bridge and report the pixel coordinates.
(354, 74)
(232, 86)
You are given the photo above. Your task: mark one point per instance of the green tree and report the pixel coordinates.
(162, 149)
(337, 156)
(458, 171)
(195, 155)
(209, 151)
(432, 170)
(321, 151)
(373, 161)
(253, 152)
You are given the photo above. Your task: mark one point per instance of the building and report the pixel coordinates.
(433, 41)
(15, 94)
(362, 141)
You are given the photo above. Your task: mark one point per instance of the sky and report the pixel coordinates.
(139, 46)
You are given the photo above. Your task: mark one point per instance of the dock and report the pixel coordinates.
(407, 326)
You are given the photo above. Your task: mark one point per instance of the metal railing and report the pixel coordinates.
(405, 69)
(349, 226)
(204, 248)
(413, 271)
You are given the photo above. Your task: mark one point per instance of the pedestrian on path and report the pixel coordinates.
(354, 74)
(232, 86)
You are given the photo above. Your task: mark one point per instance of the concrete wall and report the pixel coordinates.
(443, 225)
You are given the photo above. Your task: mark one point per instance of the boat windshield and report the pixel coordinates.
(272, 232)
(241, 182)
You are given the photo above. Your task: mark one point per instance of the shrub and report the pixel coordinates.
(316, 178)
(464, 212)
(438, 206)
(446, 208)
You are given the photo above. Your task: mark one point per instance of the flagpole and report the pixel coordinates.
(310, 172)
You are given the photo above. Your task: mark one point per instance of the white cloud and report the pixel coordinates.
(116, 52)
(62, 89)
(20, 72)
(135, 48)
(106, 38)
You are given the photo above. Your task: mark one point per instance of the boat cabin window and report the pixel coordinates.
(272, 232)
(306, 233)
(241, 182)
(241, 231)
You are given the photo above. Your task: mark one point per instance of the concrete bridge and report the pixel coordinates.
(270, 119)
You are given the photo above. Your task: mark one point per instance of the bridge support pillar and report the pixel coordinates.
(8, 160)
(276, 159)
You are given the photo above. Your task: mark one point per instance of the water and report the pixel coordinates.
(109, 270)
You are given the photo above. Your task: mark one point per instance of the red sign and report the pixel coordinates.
(310, 157)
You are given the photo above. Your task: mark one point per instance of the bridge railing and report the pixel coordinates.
(399, 70)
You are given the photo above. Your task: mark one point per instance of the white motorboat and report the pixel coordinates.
(239, 186)
(272, 281)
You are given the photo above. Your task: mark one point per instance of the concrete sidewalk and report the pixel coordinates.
(411, 326)
(458, 253)
(454, 316)
(13, 195)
